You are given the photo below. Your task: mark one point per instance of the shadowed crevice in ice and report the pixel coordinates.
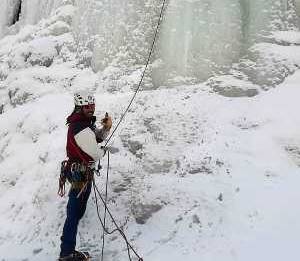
(16, 12)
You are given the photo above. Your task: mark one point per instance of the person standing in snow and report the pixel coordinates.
(82, 152)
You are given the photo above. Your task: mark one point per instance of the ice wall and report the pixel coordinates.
(7, 12)
(198, 38)
(117, 32)
(201, 38)
(32, 11)
(297, 4)
(35, 10)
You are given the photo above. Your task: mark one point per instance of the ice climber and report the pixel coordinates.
(82, 152)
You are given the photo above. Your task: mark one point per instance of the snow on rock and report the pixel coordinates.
(269, 64)
(190, 174)
(285, 37)
(230, 86)
(39, 51)
(266, 65)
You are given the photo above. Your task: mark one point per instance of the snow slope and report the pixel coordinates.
(196, 175)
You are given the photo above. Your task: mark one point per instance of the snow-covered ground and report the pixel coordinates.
(194, 176)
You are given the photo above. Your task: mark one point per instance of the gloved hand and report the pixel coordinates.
(106, 122)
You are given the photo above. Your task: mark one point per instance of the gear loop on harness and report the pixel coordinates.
(62, 179)
(77, 174)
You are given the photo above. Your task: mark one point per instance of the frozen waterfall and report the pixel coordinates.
(198, 39)
(31, 12)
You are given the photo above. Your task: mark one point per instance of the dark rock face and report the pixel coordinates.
(16, 12)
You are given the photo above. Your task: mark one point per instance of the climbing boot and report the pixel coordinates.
(76, 256)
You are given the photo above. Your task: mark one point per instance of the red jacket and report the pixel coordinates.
(82, 139)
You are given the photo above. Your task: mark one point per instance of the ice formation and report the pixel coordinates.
(198, 39)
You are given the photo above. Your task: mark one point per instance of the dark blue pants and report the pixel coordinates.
(75, 211)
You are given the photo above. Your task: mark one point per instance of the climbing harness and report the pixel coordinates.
(77, 174)
(62, 179)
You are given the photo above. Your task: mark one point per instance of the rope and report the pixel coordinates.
(117, 229)
(95, 188)
(61, 187)
(143, 74)
(104, 218)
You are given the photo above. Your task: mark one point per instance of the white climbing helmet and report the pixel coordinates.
(82, 98)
